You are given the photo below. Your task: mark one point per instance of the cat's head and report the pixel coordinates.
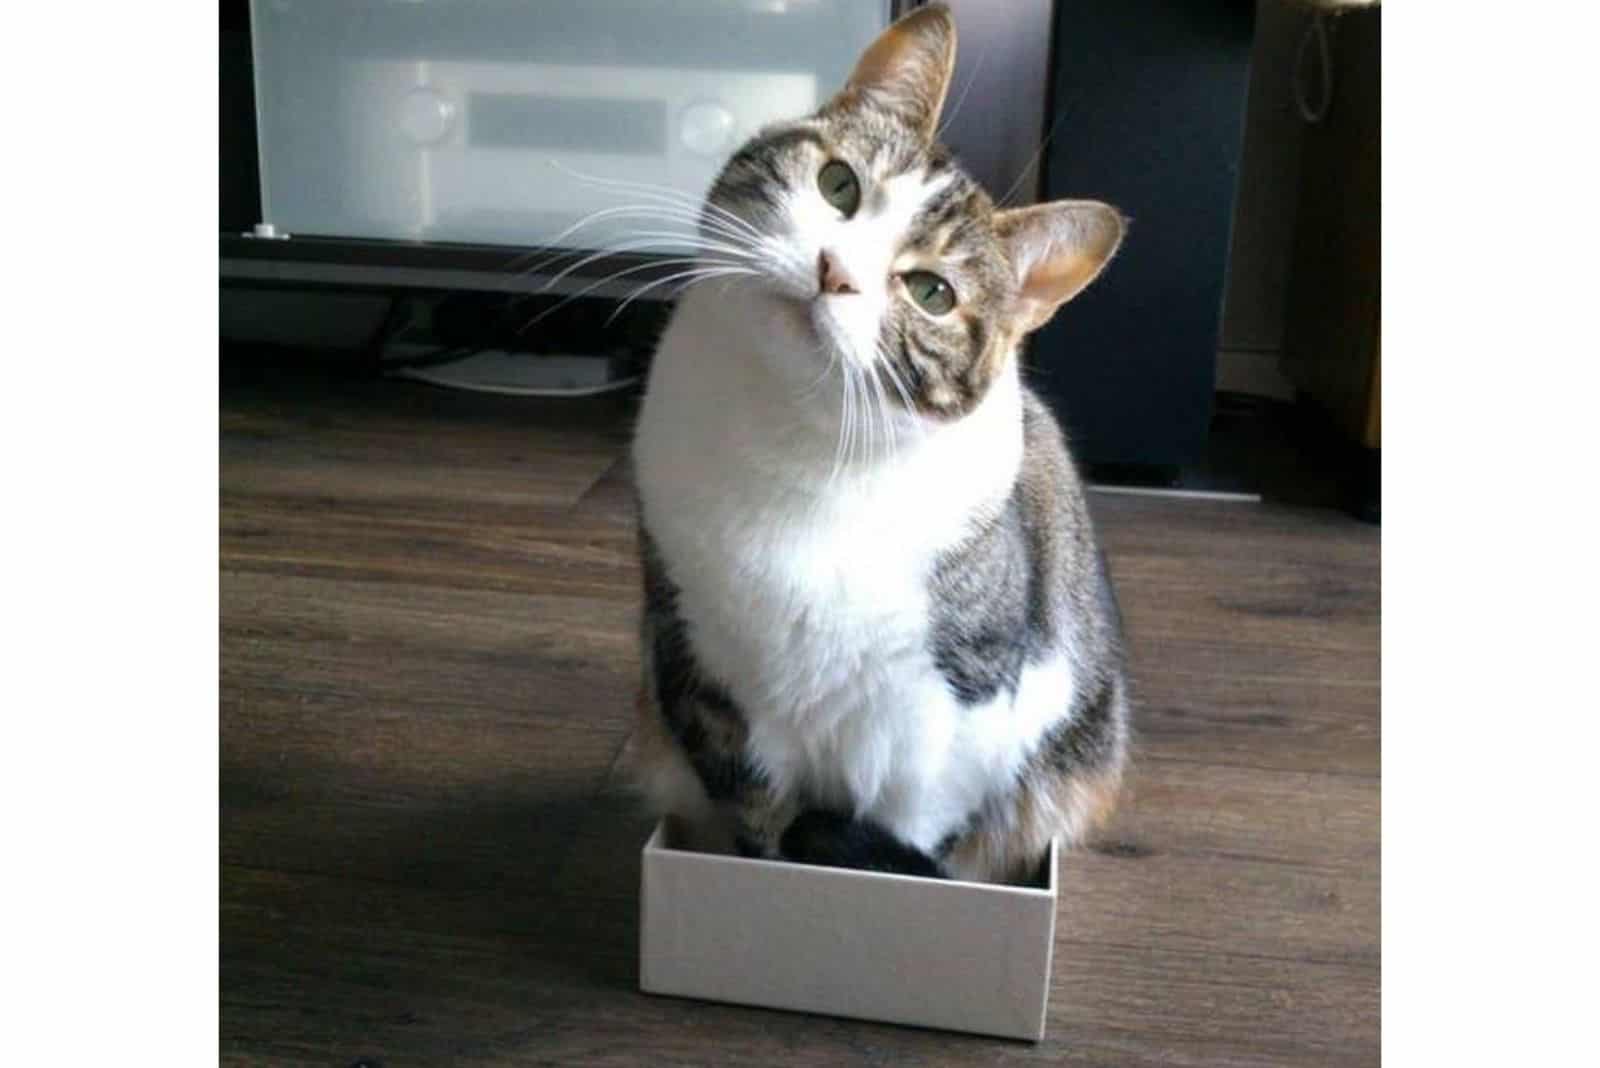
(873, 246)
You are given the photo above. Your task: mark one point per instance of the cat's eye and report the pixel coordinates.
(839, 187)
(932, 293)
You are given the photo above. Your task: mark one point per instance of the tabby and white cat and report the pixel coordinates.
(877, 632)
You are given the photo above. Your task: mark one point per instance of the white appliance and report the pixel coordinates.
(510, 122)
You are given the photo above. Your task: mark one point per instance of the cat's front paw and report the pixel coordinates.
(834, 840)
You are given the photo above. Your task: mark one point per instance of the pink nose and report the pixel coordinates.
(831, 275)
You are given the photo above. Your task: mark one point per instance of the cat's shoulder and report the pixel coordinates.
(1049, 478)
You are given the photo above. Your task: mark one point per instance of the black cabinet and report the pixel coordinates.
(1146, 112)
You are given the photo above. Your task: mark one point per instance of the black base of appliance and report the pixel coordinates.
(1147, 113)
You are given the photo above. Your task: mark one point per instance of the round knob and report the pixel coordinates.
(426, 116)
(705, 128)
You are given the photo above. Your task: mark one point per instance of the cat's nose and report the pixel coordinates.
(831, 275)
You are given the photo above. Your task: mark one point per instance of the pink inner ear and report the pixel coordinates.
(1057, 279)
(1060, 247)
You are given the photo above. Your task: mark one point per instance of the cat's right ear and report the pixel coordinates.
(1056, 249)
(906, 71)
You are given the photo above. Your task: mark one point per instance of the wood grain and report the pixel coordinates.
(430, 855)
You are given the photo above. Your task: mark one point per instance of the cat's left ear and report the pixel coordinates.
(1056, 250)
(906, 71)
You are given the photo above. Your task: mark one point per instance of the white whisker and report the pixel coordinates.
(631, 245)
(697, 275)
(833, 360)
(972, 78)
(653, 212)
(660, 192)
(895, 379)
(602, 281)
(885, 417)
(846, 394)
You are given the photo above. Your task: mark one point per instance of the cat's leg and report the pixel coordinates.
(885, 838)
(894, 762)
(760, 817)
(698, 750)
(714, 736)
(670, 784)
(1009, 840)
(1065, 792)
(818, 836)
(694, 740)
(691, 760)
(712, 740)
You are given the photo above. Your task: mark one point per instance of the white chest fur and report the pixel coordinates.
(808, 596)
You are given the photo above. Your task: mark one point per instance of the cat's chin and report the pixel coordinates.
(794, 315)
(793, 321)
(800, 335)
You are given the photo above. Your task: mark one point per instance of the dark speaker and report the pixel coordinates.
(1146, 112)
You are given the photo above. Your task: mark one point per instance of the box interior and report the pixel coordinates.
(670, 835)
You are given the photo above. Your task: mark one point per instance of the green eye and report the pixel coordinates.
(932, 293)
(839, 187)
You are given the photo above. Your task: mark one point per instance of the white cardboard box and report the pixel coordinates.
(928, 952)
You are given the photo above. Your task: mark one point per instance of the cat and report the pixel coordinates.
(878, 632)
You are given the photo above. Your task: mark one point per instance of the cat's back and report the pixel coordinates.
(1074, 600)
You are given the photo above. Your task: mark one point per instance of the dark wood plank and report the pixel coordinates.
(1200, 809)
(1198, 715)
(536, 552)
(504, 1003)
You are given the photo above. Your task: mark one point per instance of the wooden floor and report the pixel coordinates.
(428, 854)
